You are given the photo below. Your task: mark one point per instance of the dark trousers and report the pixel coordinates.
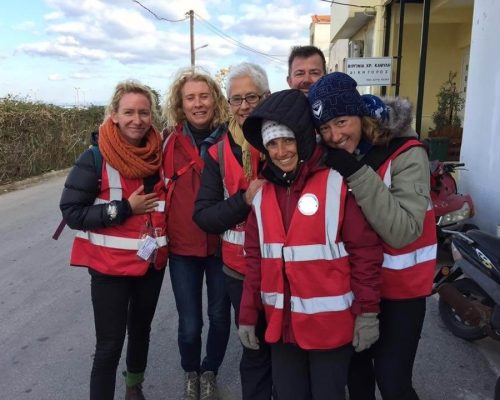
(310, 374)
(389, 362)
(121, 304)
(187, 275)
(255, 365)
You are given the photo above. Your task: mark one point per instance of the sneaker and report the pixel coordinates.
(208, 386)
(191, 386)
(134, 393)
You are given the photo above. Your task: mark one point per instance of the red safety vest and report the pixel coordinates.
(113, 250)
(233, 180)
(312, 257)
(408, 272)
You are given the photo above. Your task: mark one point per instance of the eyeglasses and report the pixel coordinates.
(249, 98)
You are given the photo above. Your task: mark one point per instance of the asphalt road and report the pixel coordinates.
(47, 337)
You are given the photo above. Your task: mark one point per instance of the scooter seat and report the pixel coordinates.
(488, 242)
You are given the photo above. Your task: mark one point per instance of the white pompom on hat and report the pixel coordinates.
(274, 130)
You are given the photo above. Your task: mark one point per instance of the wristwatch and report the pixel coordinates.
(112, 210)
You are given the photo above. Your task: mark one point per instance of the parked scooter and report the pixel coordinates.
(469, 291)
(452, 209)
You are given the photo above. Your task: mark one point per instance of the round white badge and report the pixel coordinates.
(308, 204)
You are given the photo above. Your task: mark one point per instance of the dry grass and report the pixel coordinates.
(36, 138)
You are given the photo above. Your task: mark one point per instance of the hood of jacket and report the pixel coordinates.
(288, 107)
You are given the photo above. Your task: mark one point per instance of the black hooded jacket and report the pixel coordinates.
(290, 108)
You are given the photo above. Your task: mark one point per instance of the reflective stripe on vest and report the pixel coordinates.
(116, 242)
(312, 305)
(402, 261)
(115, 184)
(234, 237)
(410, 259)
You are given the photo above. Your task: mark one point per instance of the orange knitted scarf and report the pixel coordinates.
(131, 161)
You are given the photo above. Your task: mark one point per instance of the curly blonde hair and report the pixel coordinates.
(131, 86)
(172, 109)
(373, 132)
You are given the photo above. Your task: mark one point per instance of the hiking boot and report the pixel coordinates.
(134, 392)
(208, 386)
(191, 386)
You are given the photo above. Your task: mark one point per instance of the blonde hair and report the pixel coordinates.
(131, 86)
(373, 132)
(172, 109)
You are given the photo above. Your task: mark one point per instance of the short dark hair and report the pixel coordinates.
(305, 52)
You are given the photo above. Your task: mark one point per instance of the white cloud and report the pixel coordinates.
(118, 39)
(55, 77)
(81, 75)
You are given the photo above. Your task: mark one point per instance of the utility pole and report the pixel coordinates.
(77, 97)
(191, 34)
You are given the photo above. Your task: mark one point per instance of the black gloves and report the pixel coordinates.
(342, 161)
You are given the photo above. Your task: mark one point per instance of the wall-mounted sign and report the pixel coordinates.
(370, 71)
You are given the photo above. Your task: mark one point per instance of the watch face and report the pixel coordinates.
(112, 211)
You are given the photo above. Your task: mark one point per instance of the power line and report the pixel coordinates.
(218, 32)
(157, 17)
(346, 4)
(237, 43)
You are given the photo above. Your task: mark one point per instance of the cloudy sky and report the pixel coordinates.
(64, 52)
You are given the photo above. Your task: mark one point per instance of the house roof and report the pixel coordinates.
(320, 19)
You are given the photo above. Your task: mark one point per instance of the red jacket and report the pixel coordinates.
(184, 165)
(361, 242)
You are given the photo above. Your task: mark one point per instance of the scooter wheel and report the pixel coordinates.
(453, 322)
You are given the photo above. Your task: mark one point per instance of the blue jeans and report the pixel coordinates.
(186, 274)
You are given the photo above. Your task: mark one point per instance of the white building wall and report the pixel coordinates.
(481, 138)
(322, 38)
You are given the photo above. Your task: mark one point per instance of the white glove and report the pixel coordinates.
(247, 337)
(366, 331)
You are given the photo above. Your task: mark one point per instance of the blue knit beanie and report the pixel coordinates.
(375, 107)
(335, 95)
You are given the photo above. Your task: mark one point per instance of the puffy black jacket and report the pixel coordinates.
(211, 212)
(80, 190)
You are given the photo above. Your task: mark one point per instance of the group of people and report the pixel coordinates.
(306, 210)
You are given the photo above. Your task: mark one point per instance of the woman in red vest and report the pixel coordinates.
(198, 112)
(313, 262)
(386, 167)
(114, 197)
(228, 185)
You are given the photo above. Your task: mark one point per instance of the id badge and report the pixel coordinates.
(148, 247)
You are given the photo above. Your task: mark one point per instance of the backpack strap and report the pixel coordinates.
(97, 162)
(98, 169)
(220, 154)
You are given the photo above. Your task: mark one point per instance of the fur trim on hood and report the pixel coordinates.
(400, 117)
